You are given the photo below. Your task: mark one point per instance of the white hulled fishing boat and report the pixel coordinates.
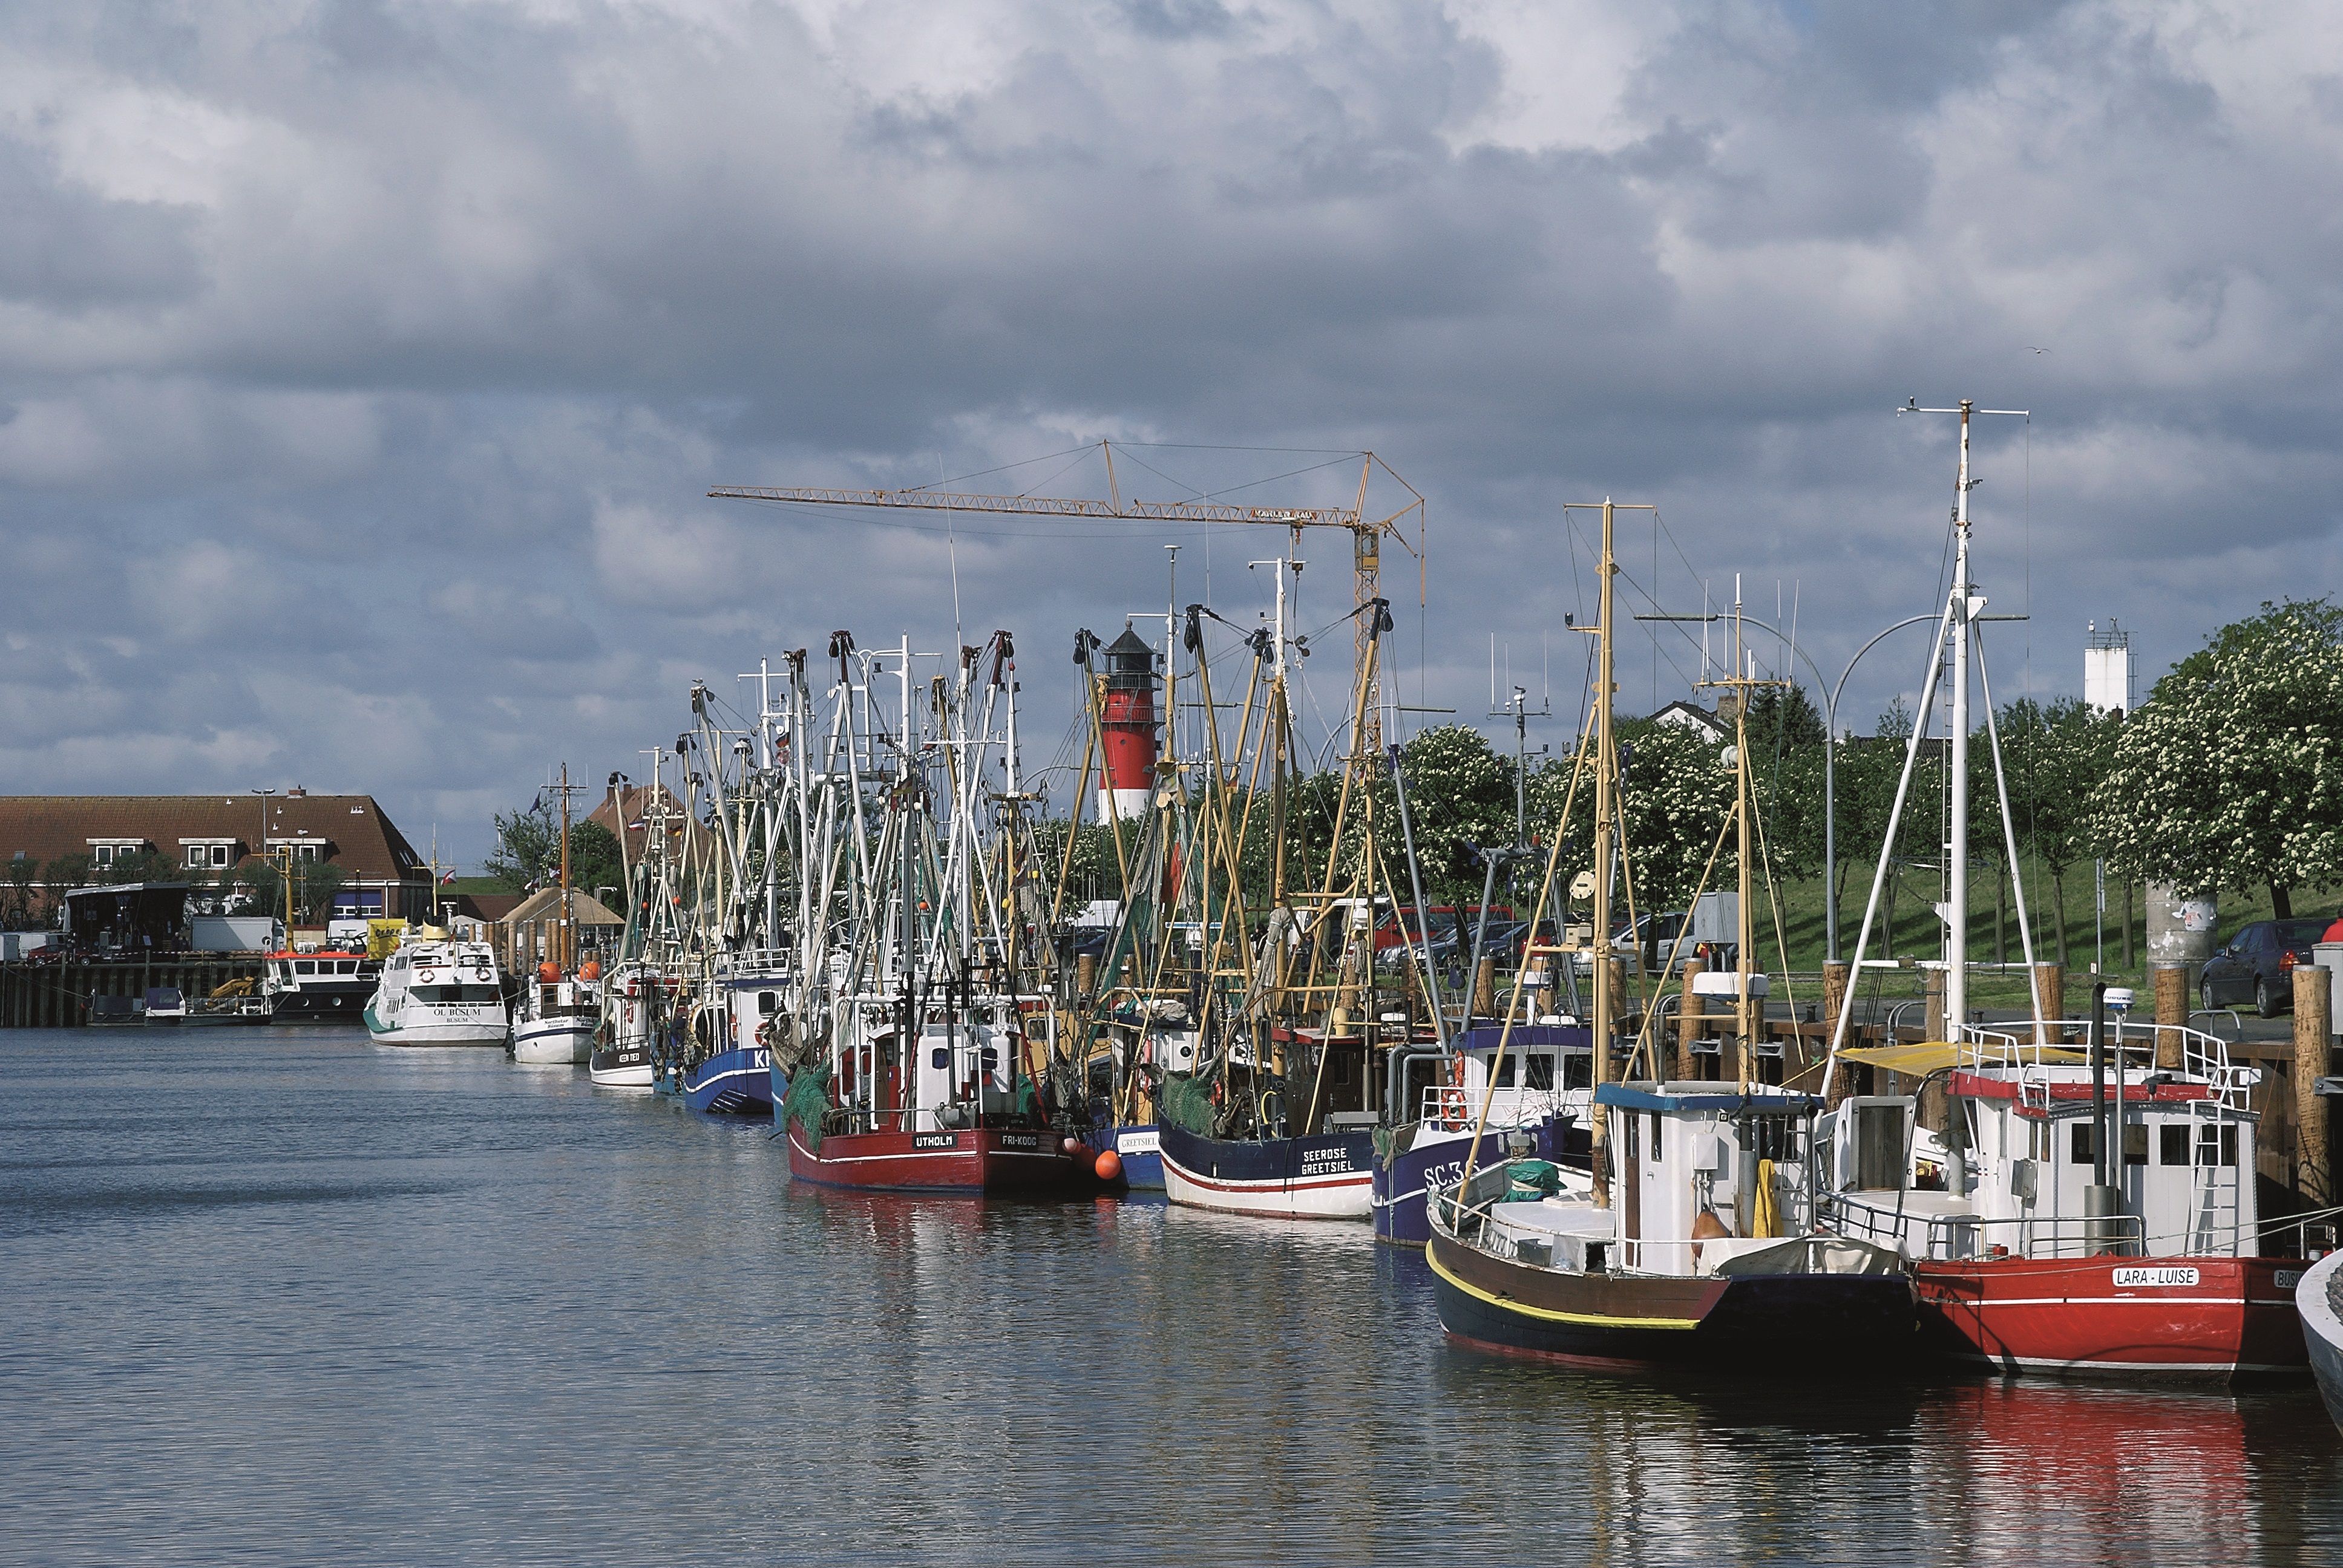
(438, 991)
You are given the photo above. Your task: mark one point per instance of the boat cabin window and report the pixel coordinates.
(2172, 1144)
(1772, 1138)
(2135, 1143)
(767, 1004)
(2217, 1145)
(941, 1059)
(1537, 1070)
(1578, 1069)
(306, 967)
(2082, 1143)
(1658, 1145)
(457, 993)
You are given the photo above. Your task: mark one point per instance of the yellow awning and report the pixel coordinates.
(1936, 1055)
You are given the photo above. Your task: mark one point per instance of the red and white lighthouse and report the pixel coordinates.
(1128, 727)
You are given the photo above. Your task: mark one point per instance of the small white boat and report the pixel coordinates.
(554, 1021)
(436, 991)
(637, 1001)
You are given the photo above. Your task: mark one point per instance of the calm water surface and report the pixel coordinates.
(284, 1296)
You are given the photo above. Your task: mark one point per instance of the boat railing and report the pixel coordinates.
(2130, 1045)
(1945, 1238)
(1454, 1108)
(1463, 1206)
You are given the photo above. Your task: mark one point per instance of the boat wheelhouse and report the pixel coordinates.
(555, 1015)
(1535, 1091)
(437, 991)
(722, 1062)
(637, 1001)
(327, 986)
(1708, 1248)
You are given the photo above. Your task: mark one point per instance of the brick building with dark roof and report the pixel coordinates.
(207, 835)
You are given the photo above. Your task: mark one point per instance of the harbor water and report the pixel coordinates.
(284, 1296)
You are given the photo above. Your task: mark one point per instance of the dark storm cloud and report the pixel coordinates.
(362, 365)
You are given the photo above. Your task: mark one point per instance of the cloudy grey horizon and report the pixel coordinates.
(365, 365)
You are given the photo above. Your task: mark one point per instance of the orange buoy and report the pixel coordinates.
(1070, 1145)
(1108, 1166)
(593, 971)
(548, 972)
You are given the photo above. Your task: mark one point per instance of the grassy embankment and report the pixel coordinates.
(1916, 928)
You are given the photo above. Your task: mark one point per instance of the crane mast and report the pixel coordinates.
(1366, 528)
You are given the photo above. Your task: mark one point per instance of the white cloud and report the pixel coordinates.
(378, 343)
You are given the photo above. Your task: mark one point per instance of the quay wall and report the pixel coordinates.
(55, 995)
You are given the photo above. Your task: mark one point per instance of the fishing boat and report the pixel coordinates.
(1304, 1043)
(438, 991)
(1537, 1093)
(636, 1002)
(1705, 1253)
(911, 1051)
(329, 986)
(1700, 1237)
(724, 1066)
(2098, 1215)
(941, 1110)
(554, 1017)
(2319, 1297)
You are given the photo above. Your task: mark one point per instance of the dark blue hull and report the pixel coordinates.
(1139, 1149)
(1400, 1179)
(730, 1083)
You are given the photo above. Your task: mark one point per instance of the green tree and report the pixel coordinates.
(595, 861)
(2231, 772)
(1460, 796)
(264, 885)
(528, 851)
(22, 871)
(1675, 796)
(315, 883)
(1787, 738)
(529, 846)
(75, 869)
(2056, 755)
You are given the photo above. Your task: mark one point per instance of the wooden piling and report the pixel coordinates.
(2050, 982)
(1692, 1023)
(2171, 983)
(2313, 1176)
(1837, 974)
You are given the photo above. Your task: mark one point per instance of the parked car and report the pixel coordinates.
(1655, 942)
(2258, 966)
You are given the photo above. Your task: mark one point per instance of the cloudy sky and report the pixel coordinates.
(362, 366)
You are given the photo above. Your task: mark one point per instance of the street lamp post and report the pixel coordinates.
(260, 841)
(1830, 768)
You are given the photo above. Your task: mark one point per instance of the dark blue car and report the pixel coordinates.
(2257, 966)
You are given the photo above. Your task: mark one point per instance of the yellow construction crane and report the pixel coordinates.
(1366, 531)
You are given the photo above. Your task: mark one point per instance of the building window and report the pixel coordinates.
(199, 855)
(105, 854)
